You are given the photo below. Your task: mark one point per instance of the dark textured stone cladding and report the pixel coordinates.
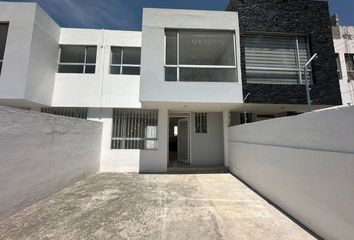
(300, 17)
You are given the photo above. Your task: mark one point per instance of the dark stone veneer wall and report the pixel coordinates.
(292, 16)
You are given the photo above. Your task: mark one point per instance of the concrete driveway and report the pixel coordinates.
(132, 206)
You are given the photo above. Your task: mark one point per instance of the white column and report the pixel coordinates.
(157, 160)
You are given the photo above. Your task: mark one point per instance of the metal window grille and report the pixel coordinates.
(67, 112)
(276, 59)
(201, 123)
(349, 59)
(339, 67)
(125, 60)
(135, 129)
(79, 59)
(185, 62)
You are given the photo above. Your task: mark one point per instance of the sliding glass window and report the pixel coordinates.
(125, 60)
(77, 59)
(200, 56)
(274, 59)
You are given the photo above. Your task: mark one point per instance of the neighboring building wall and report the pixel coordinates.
(42, 154)
(208, 149)
(298, 17)
(31, 53)
(344, 43)
(17, 52)
(43, 59)
(304, 164)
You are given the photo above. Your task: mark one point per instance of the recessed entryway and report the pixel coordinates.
(179, 140)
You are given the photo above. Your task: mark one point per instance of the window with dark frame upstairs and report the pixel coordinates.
(77, 59)
(200, 56)
(125, 60)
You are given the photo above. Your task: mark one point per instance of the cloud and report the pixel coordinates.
(112, 14)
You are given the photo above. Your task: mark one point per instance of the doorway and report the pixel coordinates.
(179, 140)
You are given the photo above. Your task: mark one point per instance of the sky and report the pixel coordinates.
(127, 14)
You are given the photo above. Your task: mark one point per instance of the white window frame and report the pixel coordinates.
(178, 66)
(299, 68)
(121, 65)
(84, 64)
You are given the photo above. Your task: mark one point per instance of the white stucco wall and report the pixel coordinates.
(43, 153)
(152, 161)
(304, 164)
(101, 89)
(153, 87)
(43, 59)
(208, 148)
(113, 160)
(342, 46)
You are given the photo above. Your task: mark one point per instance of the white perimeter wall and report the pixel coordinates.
(304, 164)
(41, 154)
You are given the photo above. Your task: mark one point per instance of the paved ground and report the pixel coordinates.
(132, 206)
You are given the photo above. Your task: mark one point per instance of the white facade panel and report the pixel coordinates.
(154, 88)
(100, 89)
(113, 160)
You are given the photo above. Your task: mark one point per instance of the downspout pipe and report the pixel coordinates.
(244, 108)
(309, 109)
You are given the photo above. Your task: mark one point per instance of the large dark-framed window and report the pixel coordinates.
(200, 55)
(3, 37)
(276, 58)
(77, 59)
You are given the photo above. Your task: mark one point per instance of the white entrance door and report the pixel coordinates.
(183, 140)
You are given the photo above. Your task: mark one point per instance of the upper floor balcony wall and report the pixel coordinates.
(90, 72)
(190, 57)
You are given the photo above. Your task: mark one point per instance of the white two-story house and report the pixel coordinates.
(166, 95)
(163, 94)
